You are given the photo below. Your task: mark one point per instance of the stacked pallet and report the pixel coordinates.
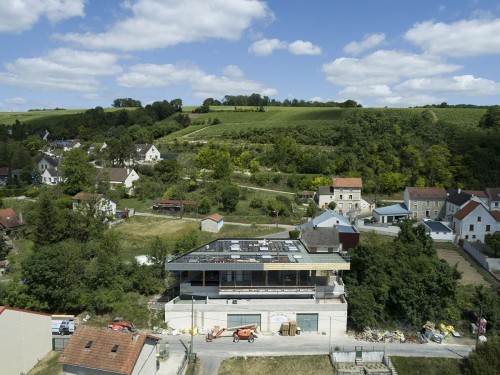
(285, 329)
(293, 328)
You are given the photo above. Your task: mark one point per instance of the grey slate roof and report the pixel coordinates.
(320, 237)
(327, 215)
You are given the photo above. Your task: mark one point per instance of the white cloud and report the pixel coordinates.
(366, 91)
(266, 47)
(204, 85)
(384, 67)
(368, 42)
(21, 15)
(16, 100)
(232, 71)
(459, 39)
(300, 47)
(163, 23)
(466, 85)
(61, 69)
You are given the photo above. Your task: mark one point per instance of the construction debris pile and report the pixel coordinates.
(437, 334)
(379, 335)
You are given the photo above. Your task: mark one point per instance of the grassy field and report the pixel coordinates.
(427, 366)
(48, 365)
(9, 118)
(279, 365)
(137, 232)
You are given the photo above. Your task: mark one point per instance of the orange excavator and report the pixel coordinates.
(246, 332)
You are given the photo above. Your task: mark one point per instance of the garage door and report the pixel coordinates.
(307, 322)
(234, 320)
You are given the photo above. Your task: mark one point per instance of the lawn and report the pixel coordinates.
(137, 232)
(427, 365)
(48, 365)
(278, 365)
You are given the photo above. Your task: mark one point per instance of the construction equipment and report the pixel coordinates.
(246, 332)
(118, 324)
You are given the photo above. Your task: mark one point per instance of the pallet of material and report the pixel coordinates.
(285, 329)
(293, 328)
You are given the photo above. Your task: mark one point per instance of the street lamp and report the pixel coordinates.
(277, 216)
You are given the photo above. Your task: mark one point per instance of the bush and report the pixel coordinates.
(294, 234)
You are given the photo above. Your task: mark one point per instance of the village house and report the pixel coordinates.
(99, 351)
(212, 223)
(348, 234)
(50, 170)
(493, 195)
(425, 202)
(147, 153)
(474, 221)
(119, 176)
(9, 220)
(99, 203)
(262, 282)
(457, 199)
(26, 339)
(346, 193)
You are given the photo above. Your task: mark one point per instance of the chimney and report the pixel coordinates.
(21, 217)
(459, 190)
(128, 171)
(135, 336)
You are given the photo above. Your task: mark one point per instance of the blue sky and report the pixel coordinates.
(85, 53)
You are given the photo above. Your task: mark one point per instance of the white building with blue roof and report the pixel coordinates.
(391, 214)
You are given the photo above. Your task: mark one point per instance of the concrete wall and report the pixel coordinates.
(208, 316)
(389, 230)
(26, 338)
(476, 254)
(493, 264)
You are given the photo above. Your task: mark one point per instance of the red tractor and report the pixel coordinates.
(247, 332)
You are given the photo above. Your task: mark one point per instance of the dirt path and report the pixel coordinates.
(470, 275)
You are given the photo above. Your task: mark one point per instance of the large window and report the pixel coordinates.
(471, 227)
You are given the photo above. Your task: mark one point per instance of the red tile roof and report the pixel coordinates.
(426, 193)
(476, 193)
(214, 217)
(9, 219)
(471, 206)
(99, 354)
(496, 215)
(347, 182)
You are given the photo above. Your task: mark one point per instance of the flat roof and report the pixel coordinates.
(436, 226)
(256, 255)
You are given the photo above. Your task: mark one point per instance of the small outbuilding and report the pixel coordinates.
(212, 223)
(438, 230)
(391, 214)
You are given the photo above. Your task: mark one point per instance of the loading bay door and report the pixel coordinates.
(307, 322)
(234, 320)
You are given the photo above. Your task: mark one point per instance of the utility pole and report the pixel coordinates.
(330, 338)
(192, 326)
